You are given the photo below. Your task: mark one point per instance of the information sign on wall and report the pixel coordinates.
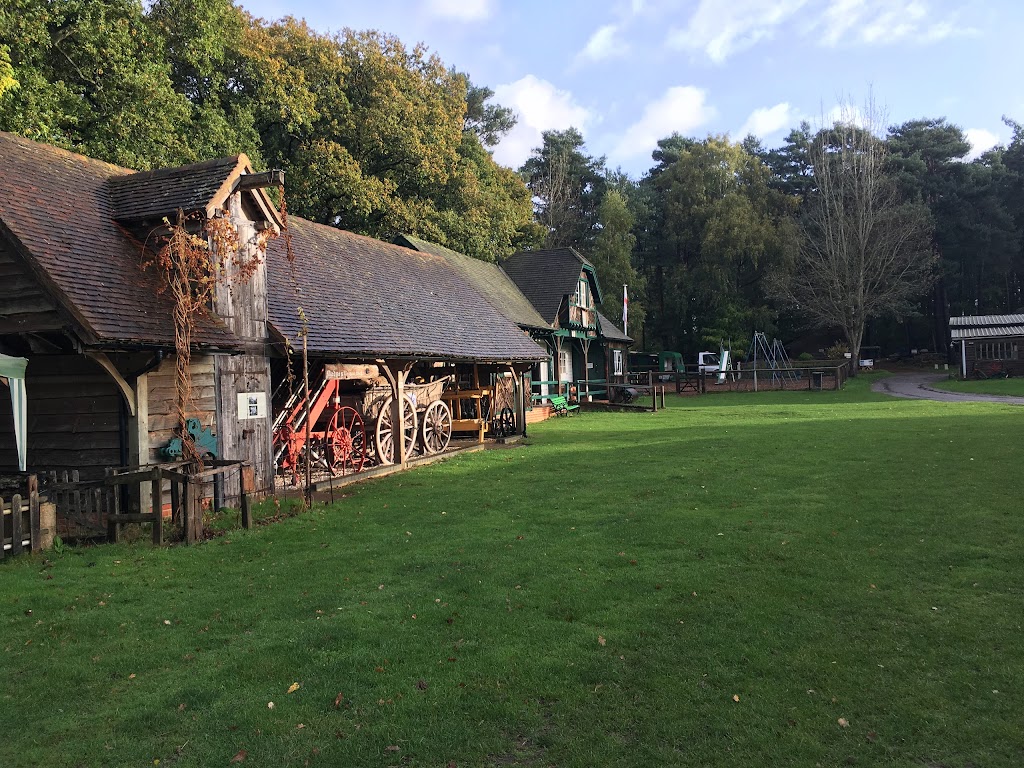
(252, 405)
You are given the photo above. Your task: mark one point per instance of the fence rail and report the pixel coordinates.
(101, 507)
(20, 527)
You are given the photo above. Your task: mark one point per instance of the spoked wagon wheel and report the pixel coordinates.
(346, 441)
(437, 427)
(504, 423)
(384, 437)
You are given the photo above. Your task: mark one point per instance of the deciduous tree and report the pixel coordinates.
(864, 250)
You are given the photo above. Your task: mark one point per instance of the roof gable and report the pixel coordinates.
(487, 278)
(364, 298)
(56, 210)
(150, 196)
(546, 276)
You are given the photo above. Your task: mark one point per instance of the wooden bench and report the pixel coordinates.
(562, 407)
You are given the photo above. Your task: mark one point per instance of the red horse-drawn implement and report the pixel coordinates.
(350, 422)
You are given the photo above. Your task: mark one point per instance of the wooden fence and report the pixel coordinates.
(103, 506)
(20, 527)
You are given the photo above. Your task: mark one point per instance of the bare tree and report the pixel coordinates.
(864, 250)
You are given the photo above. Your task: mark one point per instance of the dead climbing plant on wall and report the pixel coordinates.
(195, 253)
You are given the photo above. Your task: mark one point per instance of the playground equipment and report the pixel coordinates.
(772, 357)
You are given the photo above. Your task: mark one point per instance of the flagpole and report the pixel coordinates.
(625, 309)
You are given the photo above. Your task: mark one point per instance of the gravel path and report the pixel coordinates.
(919, 386)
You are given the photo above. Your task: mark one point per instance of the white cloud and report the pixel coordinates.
(765, 121)
(879, 22)
(540, 106)
(722, 29)
(681, 109)
(461, 10)
(603, 44)
(981, 141)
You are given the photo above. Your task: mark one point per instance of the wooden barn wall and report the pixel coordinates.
(73, 418)
(162, 423)
(242, 304)
(244, 439)
(26, 304)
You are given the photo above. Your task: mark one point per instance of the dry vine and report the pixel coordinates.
(194, 255)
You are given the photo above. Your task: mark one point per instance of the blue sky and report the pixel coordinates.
(628, 72)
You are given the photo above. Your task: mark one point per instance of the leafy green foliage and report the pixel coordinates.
(718, 227)
(569, 185)
(374, 137)
(612, 257)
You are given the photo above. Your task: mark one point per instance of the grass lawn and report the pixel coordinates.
(1013, 387)
(740, 580)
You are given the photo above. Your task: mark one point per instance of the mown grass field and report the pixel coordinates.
(741, 580)
(1014, 387)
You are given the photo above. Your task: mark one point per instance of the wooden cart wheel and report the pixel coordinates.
(437, 427)
(346, 441)
(384, 436)
(504, 423)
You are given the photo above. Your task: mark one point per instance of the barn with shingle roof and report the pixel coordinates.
(97, 331)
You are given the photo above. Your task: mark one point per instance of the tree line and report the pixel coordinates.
(877, 233)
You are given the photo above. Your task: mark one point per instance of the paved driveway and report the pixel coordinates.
(919, 386)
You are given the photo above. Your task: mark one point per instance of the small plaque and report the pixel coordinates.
(252, 405)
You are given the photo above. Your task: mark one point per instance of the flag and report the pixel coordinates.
(625, 308)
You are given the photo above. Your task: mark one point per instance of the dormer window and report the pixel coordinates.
(583, 292)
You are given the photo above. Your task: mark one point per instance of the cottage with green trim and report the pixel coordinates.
(586, 349)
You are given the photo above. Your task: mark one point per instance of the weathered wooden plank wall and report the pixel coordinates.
(242, 304)
(163, 421)
(73, 417)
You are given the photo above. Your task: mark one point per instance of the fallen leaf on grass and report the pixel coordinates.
(422, 685)
(843, 722)
(293, 687)
(872, 736)
(239, 756)
(392, 748)
(300, 726)
(601, 640)
(270, 705)
(338, 699)
(736, 697)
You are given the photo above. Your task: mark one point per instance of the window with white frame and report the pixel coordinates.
(996, 350)
(617, 362)
(583, 293)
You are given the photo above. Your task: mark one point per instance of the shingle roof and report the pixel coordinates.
(366, 298)
(610, 331)
(545, 277)
(977, 321)
(489, 279)
(986, 326)
(55, 206)
(155, 194)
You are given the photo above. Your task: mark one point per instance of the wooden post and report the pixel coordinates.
(113, 526)
(248, 485)
(185, 507)
(33, 512)
(3, 538)
(16, 533)
(176, 516)
(158, 506)
(663, 397)
(654, 395)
